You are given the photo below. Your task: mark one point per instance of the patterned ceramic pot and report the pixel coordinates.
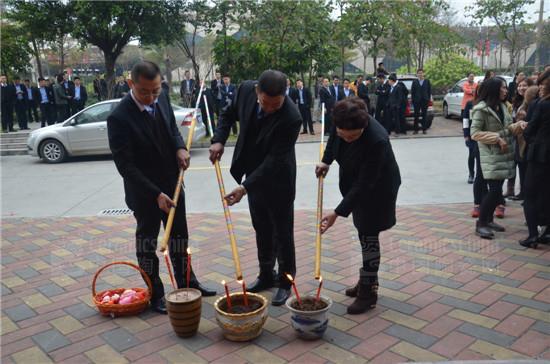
(241, 326)
(309, 325)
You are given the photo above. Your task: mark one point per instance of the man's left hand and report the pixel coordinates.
(328, 221)
(184, 159)
(235, 196)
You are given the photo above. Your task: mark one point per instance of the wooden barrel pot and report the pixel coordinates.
(184, 310)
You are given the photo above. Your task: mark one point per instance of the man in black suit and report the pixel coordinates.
(270, 123)
(304, 101)
(148, 151)
(382, 93)
(121, 88)
(32, 101)
(336, 89)
(20, 103)
(69, 90)
(227, 92)
(363, 91)
(381, 69)
(421, 94)
(346, 90)
(80, 96)
(8, 103)
(326, 97)
(397, 101)
(187, 90)
(46, 102)
(98, 87)
(290, 91)
(215, 87)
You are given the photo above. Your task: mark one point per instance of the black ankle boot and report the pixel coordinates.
(367, 295)
(352, 292)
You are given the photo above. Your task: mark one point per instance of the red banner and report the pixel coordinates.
(479, 46)
(487, 47)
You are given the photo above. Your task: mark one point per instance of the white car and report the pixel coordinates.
(85, 133)
(453, 99)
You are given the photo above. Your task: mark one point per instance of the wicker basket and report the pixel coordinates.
(114, 310)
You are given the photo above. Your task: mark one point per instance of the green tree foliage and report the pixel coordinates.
(15, 54)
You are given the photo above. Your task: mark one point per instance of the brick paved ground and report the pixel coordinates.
(444, 294)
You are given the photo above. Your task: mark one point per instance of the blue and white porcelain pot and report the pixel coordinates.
(309, 325)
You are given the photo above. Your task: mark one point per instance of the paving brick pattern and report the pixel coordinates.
(445, 294)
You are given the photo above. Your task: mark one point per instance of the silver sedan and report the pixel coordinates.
(85, 133)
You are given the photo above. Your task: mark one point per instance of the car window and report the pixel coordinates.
(95, 114)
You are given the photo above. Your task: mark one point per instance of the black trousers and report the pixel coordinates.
(480, 185)
(148, 227)
(32, 110)
(62, 112)
(21, 112)
(421, 109)
(76, 106)
(328, 122)
(47, 114)
(305, 111)
(379, 113)
(274, 226)
(7, 116)
(491, 200)
(370, 247)
(392, 120)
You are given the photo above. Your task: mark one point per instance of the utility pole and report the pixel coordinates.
(539, 36)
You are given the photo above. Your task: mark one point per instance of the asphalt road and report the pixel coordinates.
(433, 171)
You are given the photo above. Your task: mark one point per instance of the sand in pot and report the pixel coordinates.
(309, 304)
(237, 305)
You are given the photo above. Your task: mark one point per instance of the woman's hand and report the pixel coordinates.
(328, 221)
(522, 124)
(503, 145)
(321, 169)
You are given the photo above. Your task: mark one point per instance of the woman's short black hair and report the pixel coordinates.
(145, 69)
(272, 82)
(350, 114)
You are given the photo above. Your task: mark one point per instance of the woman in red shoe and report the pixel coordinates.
(369, 181)
(493, 129)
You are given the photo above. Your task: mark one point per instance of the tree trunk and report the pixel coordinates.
(168, 66)
(343, 63)
(62, 53)
(500, 58)
(37, 57)
(375, 61)
(110, 61)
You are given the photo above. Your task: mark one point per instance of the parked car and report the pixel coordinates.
(409, 111)
(85, 133)
(453, 99)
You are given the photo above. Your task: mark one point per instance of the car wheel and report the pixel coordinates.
(52, 151)
(446, 111)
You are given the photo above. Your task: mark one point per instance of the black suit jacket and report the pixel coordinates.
(326, 97)
(382, 92)
(340, 93)
(228, 94)
(351, 93)
(8, 94)
(369, 177)
(398, 97)
(421, 94)
(138, 157)
(49, 92)
(83, 95)
(306, 95)
(363, 93)
(292, 94)
(274, 145)
(25, 94)
(214, 87)
(192, 87)
(537, 133)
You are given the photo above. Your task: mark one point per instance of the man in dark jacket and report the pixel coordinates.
(325, 97)
(369, 182)
(397, 103)
(264, 153)
(80, 96)
(336, 90)
(421, 94)
(46, 101)
(302, 98)
(382, 92)
(363, 90)
(8, 103)
(33, 97)
(148, 152)
(21, 102)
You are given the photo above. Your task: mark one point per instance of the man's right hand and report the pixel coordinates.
(321, 169)
(216, 152)
(165, 202)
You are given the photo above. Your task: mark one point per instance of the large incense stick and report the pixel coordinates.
(320, 199)
(226, 212)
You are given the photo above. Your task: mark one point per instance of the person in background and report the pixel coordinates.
(346, 90)
(381, 69)
(228, 94)
(395, 107)
(121, 88)
(80, 95)
(61, 99)
(21, 103)
(46, 102)
(469, 88)
(97, 87)
(369, 181)
(215, 87)
(493, 129)
(363, 91)
(512, 87)
(382, 92)
(8, 103)
(187, 90)
(69, 90)
(165, 86)
(32, 101)
(304, 102)
(325, 97)
(421, 95)
(336, 89)
(290, 91)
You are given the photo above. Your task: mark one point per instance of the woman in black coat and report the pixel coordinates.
(369, 181)
(537, 177)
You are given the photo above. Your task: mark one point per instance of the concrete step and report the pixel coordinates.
(13, 141)
(13, 151)
(13, 146)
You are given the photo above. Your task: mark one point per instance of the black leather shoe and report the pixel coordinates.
(280, 297)
(530, 242)
(304, 132)
(496, 227)
(545, 237)
(470, 180)
(260, 285)
(484, 232)
(206, 292)
(159, 306)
